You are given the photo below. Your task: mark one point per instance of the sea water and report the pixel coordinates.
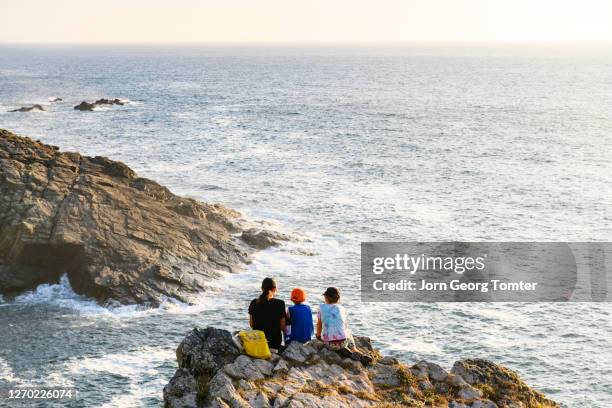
(336, 146)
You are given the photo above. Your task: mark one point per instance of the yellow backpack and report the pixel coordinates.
(255, 344)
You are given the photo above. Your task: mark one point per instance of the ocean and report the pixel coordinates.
(336, 145)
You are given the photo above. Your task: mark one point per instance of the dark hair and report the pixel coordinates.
(333, 294)
(267, 285)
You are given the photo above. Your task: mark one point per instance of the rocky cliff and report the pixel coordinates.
(117, 236)
(214, 373)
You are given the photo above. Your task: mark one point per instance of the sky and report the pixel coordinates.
(311, 21)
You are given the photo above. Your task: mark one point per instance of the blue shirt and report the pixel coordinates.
(302, 326)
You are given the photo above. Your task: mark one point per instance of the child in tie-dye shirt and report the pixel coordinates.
(332, 322)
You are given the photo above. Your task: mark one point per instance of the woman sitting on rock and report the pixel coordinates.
(268, 314)
(333, 328)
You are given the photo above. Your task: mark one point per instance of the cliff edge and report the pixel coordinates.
(214, 373)
(118, 236)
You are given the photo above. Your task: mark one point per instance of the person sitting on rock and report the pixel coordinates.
(299, 318)
(333, 328)
(268, 314)
(332, 322)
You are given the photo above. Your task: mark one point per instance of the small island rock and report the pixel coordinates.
(33, 108)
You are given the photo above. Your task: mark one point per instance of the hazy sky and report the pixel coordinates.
(310, 21)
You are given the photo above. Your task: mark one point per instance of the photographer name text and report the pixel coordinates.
(454, 285)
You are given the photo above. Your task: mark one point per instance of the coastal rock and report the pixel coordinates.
(433, 370)
(298, 352)
(33, 108)
(89, 106)
(182, 388)
(499, 384)
(262, 239)
(85, 106)
(104, 101)
(307, 376)
(118, 237)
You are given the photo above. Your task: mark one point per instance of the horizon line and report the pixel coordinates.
(320, 43)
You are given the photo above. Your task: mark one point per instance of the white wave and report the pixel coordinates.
(62, 295)
(6, 372)
(135, 365)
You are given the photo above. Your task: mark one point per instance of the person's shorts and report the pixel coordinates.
(337, 344)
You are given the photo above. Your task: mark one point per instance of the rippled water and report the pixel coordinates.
(338, 146)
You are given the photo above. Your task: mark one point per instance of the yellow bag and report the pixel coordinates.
(255, 344)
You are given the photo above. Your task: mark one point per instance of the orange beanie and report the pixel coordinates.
(298, 295)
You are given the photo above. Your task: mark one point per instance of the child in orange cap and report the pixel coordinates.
(299, 316)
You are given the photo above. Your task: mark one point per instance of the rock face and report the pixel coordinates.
(117, 236)
(214, 373)
(35, 108)
(89, 106)
(262, 239)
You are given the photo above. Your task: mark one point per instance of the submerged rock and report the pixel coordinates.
(85, 106)
(213, 373)
(35, 108)
(117, 236)
(89, 106)
(262, 239)
(104, 101)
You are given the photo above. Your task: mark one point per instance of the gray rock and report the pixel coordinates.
(262, 239)
(419, 372)
(316, 344)
(456, 380)
(385, 376)
(89, 106)
(271, 388)
(243, 367)
(434, 371)
(205, 351)
(85, 106)
(180, 392)
(388, 360)
(275, 358)
(280, 401)
(37, 108)
(425, 385)
(265, 367)
(298, 352)
(281, 368)
(329, 356)
(221, 387)
(246, 385)
(216, 403)
(502, 379)
(468, 393)
(259, 400)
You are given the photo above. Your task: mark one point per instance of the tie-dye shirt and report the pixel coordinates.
(334, 322)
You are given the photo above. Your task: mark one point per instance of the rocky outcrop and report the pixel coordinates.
(263, 239)
(89, 106)
(214, 373)
(33, 108)
(117, 236)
